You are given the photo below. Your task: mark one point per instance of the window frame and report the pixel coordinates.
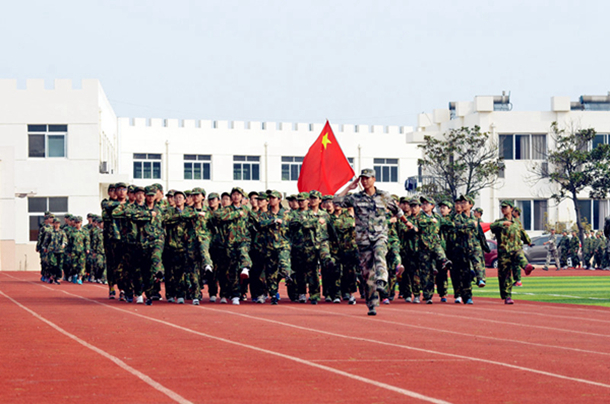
(246, 164)
(39, 213)
(291, 165)
(200, 160)
(514, 147)
(386, 169)
(152, 159)
(47, 132)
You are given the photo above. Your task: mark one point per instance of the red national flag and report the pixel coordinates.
(325, 167)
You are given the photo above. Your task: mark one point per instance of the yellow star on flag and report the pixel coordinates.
(325, 141)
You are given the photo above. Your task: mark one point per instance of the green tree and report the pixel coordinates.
(572, 166)
(462, 161)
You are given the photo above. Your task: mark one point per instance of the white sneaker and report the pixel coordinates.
(458, 300)
(245, 273)
(180, 300)
(302, 298)
(170, 300)
(408, 300)
(140, 300)
(352, 300)
(223, 300)
(212, 299)
(208, 268)
(235, 301)
(416, 300)
(337, 300)
(261, 299)
(196, 302)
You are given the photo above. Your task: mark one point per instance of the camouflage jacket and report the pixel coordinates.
(428, 229)
(574, 245)
(97, 241)
(408, 237)
(110, 229)
(149, 229)
(179, 228)
(508, 237)
(275, 234)
(236, 224)
(370, 214)
(127, 228)
(552, 242)
(523, 235)
(55, 241)
(45, 228)
(481, 237)
(216, 228)
(78, 240)
(344, 226)
(307, 224)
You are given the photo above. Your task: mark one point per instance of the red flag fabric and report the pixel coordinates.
(485, 227)
(325, 167)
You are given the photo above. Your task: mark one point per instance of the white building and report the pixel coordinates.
(523, 137)
(60, 147)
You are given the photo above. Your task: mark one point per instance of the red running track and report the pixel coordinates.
(69, 344)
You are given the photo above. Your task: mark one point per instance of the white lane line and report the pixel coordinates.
(387, 360)
(512, 311)
(146, 379)
(375, 383)
(475, 359)
(548, 294)
(433, 313)
(461, 334)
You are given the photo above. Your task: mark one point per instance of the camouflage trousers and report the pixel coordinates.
(88, 265)
(393, 260)
(428, 259)
(185, 276)
(44, 264)
(598, 259)
(347, 261)
(508, 263)
(441, 280)
(55, 264)
(127, 274)
(522, 263)
(110, 249)
(478, 264)
(409, 283)
(277, 266)
(461, 275)
(293, 287)
(306, 264)
(78, 263)
(554, 254)
(564, 258)
(256, 279)
(67, 265)
(98, 266)
(238, 259)
(575, 258)
(373, 267)
(149, 266)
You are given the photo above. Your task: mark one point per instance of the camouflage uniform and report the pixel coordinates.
(44, 259)
(371, 237)
(509, 246)
(598, 250)
(313, 250)
(98, 257)
(574, 246)
(430, 251)
(235, 222)
(478, 258)
(78, 239)
(465, 228)
(179, 237)
(409, 285)
(524, 239)
(277, 248)
(295, 236)
(552, 252)
(54, 244)
(218, 253)
(347, 251)
(393, 259)
(111, 240)
(564, 245)
(128, 274)
(257, 255)
(88, 257)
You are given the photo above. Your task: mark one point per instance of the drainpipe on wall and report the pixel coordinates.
(359, 159)
(266, 168)
(167, 165)
(494, 205)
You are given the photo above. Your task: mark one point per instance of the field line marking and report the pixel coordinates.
(512, 311)
(375, 383)
(420, 327)
(146, 379)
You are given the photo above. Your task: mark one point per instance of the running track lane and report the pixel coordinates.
(326, 335)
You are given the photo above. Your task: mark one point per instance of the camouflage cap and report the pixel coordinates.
(49, 216)
(291, 197)
(68, 216)
(428, 199)
(120, 185)
(262, 196)
(78, 219)
(517, 209)
(111, 186)
(225, 194)
(131, 189)
(170, 193)
(414, 201)
(469, 199)
(188, 192)
(176, 192)
(198, 191)
(151, 190)
(158, 186)
(479, 210)
(275, 194)
(238, 189)
(315, 194)
(404, 199)
(90, 215)
(508, 203)
(250, 194)
(213, 195)
(367, 172)
(138, 189)
(302, 196)
(460, 198)
(446, 203)
(56, 220)
(327, 198)
(395, 197)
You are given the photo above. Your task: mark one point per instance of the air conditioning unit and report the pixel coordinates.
(104, 167)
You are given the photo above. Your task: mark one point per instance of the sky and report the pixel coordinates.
(376, 62)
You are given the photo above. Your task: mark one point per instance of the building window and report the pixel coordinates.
(600, 138)
(386, 170)
(246, 168)
(594, 212)
(47, 140)
(147, 165)
(350, 160)
(36, 208)
(523, 147)
(197, 166)
(533, 213)
(291, 168)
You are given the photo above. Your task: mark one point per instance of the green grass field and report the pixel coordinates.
(586, 290)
